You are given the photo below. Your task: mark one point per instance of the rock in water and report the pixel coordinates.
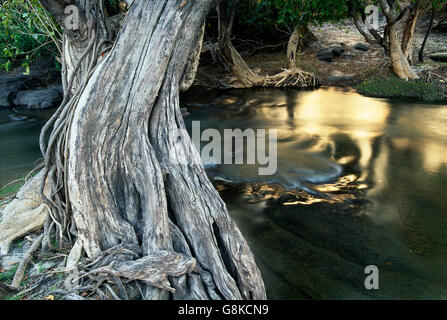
(441, 26)
(9, 85)
(361, 47)
(439, 57)
(340, 77)
(328, 53)
(38, 99)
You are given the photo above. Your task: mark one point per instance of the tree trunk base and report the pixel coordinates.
(243, 77)
(26, 213)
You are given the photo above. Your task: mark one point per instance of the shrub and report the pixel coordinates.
(393, 87)
(26, 31)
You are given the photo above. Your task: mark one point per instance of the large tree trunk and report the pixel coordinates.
(408, 33)
(126, 181)
(131, 181)
(399, 60)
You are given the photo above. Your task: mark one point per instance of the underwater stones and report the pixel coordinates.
(439, 56)
(38, 99)
(361, 47)
(328, 53)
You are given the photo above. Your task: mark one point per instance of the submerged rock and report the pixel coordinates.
(16, 117)
(9, 86)
(441, 26)
(340, 77)
(439, 57)
(328, 53)
(361, 47)
(38, 99)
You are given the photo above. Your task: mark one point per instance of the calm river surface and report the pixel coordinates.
(360, 182)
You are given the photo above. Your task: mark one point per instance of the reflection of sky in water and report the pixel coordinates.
(311, 124)
(306, 124)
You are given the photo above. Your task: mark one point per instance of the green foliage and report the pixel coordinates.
(19, 296)
(8, 275)
(393, 87)
(290, 13)
(438, 5)
(26, 31)
(111, 7)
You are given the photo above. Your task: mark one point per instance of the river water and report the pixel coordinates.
(360, 182)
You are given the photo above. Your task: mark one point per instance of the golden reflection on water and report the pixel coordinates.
(426, 131)
(387, 202)
(325, 113)
(328, 112)
(321, 122)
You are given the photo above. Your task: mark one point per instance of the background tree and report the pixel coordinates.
(245, 77)
(435, 6)
(27, 31)
(296, 15)
(400, 50)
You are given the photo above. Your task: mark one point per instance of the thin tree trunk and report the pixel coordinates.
(430, 26)
(292, 47)
(189, 75)
(245, 77)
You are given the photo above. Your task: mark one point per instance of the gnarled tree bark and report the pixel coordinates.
(131, 194)
(399, 52)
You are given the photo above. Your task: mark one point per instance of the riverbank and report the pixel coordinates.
(347, 62)
(353, 63)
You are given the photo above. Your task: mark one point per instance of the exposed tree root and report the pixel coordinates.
(153, 269)
(25, 214)
(247, 78)
(20, 273)
(288, 78)
(244, 77)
